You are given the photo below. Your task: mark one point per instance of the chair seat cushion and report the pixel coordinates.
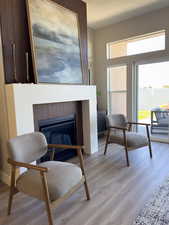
(134, 140)
(61, 177)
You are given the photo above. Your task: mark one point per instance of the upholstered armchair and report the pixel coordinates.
(119, 132)
(159, 121)
(51, 181)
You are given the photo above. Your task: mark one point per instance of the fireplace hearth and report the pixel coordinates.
(60, 130)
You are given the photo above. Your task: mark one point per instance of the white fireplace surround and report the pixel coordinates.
(21, 98)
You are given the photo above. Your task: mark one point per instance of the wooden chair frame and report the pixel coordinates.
(125, 139)
(43, 171)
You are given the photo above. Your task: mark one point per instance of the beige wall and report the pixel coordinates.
(4, 167)
(147, 23)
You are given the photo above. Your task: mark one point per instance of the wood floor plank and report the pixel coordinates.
(117, 192)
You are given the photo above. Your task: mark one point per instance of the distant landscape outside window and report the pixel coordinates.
(153, 98)
(149, 44)
(153, 88)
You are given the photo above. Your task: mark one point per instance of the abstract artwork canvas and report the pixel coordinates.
(55, 42)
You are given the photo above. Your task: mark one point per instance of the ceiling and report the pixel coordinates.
(105, 12)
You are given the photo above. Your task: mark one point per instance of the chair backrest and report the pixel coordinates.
(27, 148)
(160, 113)
(116, 120)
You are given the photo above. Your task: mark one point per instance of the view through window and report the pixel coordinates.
(153, 98)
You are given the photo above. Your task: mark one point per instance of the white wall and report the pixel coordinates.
(157, 20)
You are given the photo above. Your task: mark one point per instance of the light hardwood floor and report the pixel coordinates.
(117, 192)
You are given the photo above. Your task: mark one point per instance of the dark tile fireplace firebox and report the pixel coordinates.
(60, 130)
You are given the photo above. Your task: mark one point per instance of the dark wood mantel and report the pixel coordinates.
(15, 38)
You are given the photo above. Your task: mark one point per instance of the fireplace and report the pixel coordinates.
(26, 104)
(60, 130)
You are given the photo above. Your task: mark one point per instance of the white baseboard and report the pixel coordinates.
(4, 177)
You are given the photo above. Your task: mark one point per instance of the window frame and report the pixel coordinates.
(141, 37)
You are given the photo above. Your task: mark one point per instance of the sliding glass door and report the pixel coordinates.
(153, 98)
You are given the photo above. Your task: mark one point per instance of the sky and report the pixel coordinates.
(154, 75)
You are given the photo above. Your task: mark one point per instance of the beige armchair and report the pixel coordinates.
(119, 132)
(51, 181)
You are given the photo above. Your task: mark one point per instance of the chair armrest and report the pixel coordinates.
(116, 127)
(28, 166)
(66, 146)
(161, 111)
(144, 124)
(55, 146)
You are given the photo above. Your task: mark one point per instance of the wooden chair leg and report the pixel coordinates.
(126, 150)
(47, 200)
(149, 141)
(127, 157)
(12, 187)
(107, 140)
(87, 190)
(150, 150)
(83, 172)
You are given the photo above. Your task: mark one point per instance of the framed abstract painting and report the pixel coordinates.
(55, 43)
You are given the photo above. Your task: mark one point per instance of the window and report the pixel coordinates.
(137, 45)
(117, 89)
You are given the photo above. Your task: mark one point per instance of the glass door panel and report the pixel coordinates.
(117, 89)
(118, 103)
(153, 98)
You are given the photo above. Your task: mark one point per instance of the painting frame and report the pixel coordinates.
(33, 46)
